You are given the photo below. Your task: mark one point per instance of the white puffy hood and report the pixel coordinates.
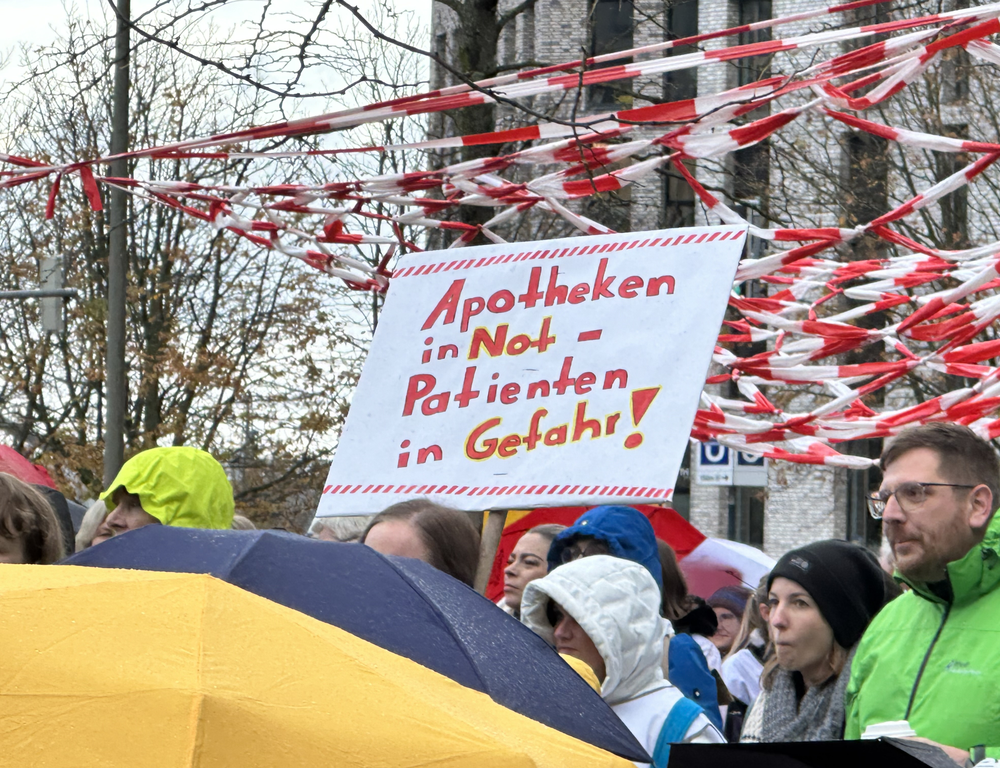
(617, 603)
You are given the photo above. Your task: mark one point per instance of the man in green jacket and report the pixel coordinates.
(932, 656)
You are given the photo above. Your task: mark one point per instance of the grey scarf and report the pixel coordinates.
(819, 716)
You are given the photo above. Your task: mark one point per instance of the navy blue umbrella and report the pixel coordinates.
(402, 605)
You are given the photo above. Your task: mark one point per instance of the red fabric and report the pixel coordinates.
(15, 464)
(667, 524)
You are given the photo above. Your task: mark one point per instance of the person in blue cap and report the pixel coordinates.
(626, 533)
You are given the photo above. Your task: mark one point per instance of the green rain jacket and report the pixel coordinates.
(936, 662)
(179, 486)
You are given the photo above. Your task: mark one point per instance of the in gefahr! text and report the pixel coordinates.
(487, 440)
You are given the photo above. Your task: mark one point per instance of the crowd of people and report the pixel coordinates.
(830, 645)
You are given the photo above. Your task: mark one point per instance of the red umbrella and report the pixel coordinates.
(15, 464)
(719, 563)
(667, 523)
(707, 564)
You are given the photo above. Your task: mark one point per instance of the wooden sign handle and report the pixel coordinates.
(488, 546)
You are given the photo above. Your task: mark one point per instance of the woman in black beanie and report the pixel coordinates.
(820, 599)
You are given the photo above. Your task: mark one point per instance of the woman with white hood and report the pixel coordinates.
(606, 611)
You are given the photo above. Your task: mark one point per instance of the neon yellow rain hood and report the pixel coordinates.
(179, 486)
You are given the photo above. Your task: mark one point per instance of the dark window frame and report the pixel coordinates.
(679, 198)
(754, 68)
(682, 21)
(611, 29)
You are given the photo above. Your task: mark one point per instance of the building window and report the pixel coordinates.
(682, 21)
(611, 30)
(748, 289)
(682, 488)
(439, 75)
(880, 13)
(866, 178)
(753, 68)
(954, 75)
(678, 197)
(508, 42)
(955, 66)
(955, 205)
(751, 175)
(526, 34)
(746, 515)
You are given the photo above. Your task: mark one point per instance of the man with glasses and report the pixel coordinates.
(932, 656)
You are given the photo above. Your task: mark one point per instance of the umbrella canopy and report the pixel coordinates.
(402, 605)
(717, 563)
(15, 464)
(668, 525)
(125, 668)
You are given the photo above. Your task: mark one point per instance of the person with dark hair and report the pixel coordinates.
(626, 533)
(606, 611)
(527, 562)
(675, 590)
(930, 657)
(29, 530)
(728, 604)
(440, 536)
(820, 599)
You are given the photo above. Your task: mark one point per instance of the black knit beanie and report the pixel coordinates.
(844, 579)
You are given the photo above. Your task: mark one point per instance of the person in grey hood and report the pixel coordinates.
(606, 611)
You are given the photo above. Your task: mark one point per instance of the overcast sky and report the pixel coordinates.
(35, 21)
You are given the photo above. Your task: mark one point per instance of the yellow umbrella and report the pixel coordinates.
(103, 667)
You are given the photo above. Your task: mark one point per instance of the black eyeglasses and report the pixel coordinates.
(909, 496)
(583, 548)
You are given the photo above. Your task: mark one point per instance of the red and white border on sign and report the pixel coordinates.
(550, 490)
(445, 266)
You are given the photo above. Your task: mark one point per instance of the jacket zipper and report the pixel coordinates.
(927, 656)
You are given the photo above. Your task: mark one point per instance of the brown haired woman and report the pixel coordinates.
(440, 536)
(29, 530)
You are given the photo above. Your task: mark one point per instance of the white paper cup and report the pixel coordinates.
(896, 729)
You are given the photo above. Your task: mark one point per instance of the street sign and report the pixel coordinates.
(715, 464)
(51, 275)
(750, 470)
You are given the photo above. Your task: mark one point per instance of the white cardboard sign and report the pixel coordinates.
(528, 375)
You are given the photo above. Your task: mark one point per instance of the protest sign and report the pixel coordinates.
(536, 374)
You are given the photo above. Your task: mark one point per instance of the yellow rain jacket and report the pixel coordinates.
(179, 486)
